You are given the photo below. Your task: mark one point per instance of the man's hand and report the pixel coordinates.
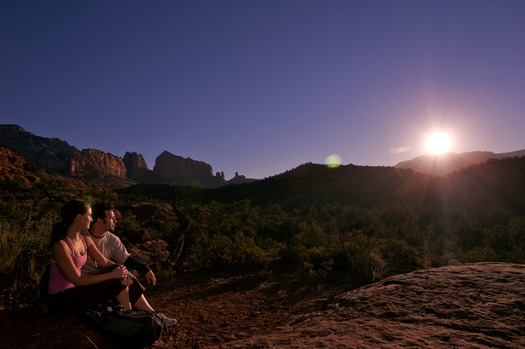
(151, 278)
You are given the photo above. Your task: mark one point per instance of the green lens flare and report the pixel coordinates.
(333, 161)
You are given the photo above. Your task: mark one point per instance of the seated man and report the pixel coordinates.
(110, 245)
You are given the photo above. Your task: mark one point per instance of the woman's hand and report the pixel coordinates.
(119, 272)
(127, 281)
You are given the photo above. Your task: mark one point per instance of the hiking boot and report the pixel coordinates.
(167, 321)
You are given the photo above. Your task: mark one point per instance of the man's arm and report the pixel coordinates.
(133, 263)
(136, 264)
(121, 255)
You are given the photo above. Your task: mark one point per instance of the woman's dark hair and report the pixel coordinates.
(68, 213)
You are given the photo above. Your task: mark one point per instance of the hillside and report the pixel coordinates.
(101, 168)
(494, 184)
(444, 164)
(465, 306)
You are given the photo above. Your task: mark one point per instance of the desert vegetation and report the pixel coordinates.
(363, 223)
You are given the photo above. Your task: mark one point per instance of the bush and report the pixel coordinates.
(508, 242)
(399, 256)
(220, 250)
(479, 254)
(23, 256)
(10, 248)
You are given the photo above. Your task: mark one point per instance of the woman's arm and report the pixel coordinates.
(62, 255)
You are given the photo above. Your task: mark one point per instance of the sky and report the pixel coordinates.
(261, 87)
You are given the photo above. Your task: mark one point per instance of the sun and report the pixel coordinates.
(438, 143)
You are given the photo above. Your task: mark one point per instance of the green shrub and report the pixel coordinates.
(399, 256)
(508, 242)
(23, 257)
(479, 254)
(220, 250)
(10, 248)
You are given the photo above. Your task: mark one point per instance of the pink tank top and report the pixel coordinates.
(57, 280)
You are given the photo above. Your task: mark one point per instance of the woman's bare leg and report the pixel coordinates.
(142, 304)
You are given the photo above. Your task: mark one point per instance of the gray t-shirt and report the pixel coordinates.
(110, 246)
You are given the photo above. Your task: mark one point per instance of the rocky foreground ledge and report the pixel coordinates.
(469, 306)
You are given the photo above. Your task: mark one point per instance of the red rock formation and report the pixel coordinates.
(136, 166)
(51, 154)
(12, 173)
(92, 163)
(171, 166)
(54, 155)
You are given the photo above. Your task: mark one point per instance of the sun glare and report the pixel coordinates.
(438, 143)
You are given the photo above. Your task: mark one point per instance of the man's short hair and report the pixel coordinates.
(99, 211)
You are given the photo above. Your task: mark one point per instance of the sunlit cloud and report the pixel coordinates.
(400, 150)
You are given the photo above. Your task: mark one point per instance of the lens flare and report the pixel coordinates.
(333, 161)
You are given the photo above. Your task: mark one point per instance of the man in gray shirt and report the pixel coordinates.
(110, 245)
(101, 231)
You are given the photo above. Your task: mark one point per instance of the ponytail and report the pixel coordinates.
(58, 233)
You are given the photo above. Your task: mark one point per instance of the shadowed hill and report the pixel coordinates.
(312, 184)
(309, 184)
(443, 164)
(496, 183)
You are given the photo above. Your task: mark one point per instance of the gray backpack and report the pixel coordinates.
(137, 326)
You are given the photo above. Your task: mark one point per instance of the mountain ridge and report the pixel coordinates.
(96, 166)
(99, 167)
(443, 164)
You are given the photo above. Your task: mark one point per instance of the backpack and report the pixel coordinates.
(136, 326)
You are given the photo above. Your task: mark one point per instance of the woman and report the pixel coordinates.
(69, 291)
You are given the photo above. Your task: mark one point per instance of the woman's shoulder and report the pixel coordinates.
(60, 246)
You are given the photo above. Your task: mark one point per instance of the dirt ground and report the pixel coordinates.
(469, 306)
(210, 311)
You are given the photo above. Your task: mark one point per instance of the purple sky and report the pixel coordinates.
(260, 87)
